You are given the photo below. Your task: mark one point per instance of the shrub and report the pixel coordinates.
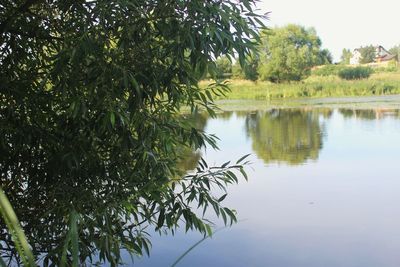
(328, 70)
(356, 73)
(248, 72)
(390, 67)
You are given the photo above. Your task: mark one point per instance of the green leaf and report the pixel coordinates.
(225, 164)
(146, 247)
(72, 239)
(231, 215)
(161, 218)
(222, 198)
(242, 158)
(15, 230)
(243, 172)
(112, 119)
(222, 212)
(209, 230)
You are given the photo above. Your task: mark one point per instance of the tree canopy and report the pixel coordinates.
(248, 71)
(395, 50)
(288, 53)
(90, 122)
(224, 67)
(345, 57)
(324, 57)
(368, 54)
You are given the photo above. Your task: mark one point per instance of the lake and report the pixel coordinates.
(323, 190)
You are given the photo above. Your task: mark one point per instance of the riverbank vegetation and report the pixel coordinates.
(356, 73)
(291, 63)
(382, 83)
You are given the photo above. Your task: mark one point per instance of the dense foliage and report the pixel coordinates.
(368, 54)
(248, 71)
(327, 70)
(345, 57)
(355, 73)
(288, 53)
(324, 57)
(224, 67)
(395, 50)
(90, 129)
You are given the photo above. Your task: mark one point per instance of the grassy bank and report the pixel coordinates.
(388, 102)
(385, 83)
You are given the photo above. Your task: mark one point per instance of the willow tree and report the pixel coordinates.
(90, 129)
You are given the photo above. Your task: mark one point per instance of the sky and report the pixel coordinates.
(340, 23)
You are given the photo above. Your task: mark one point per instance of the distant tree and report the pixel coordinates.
(288, 53)
(249, 71)
(224, 67)
(345, 57)
(237, 72)
(324, 57)
(395, 50)
(368, 54)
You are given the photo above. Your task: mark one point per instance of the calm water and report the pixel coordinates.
(324, 190)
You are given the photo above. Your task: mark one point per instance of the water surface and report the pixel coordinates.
(324, 190)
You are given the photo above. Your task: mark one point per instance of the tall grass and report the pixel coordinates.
(315, 86)
(356, 73)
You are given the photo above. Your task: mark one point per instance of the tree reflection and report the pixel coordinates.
(368, 114)
(226, 115)
(188, 159)
(365, 114)
(290, 136)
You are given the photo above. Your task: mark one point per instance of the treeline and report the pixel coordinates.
(292, 53)
(352, 73)
(284, 54)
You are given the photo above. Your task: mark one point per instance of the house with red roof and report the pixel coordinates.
(381, 55)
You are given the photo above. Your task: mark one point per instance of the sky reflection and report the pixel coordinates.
(334, 204)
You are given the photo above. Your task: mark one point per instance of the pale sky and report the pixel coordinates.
(340, 23)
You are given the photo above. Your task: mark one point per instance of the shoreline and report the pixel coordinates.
(353, 102)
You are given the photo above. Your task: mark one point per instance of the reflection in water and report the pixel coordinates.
(290, 136)
(340, 210)
(187, 158)
(225, 115)
(368, 114)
